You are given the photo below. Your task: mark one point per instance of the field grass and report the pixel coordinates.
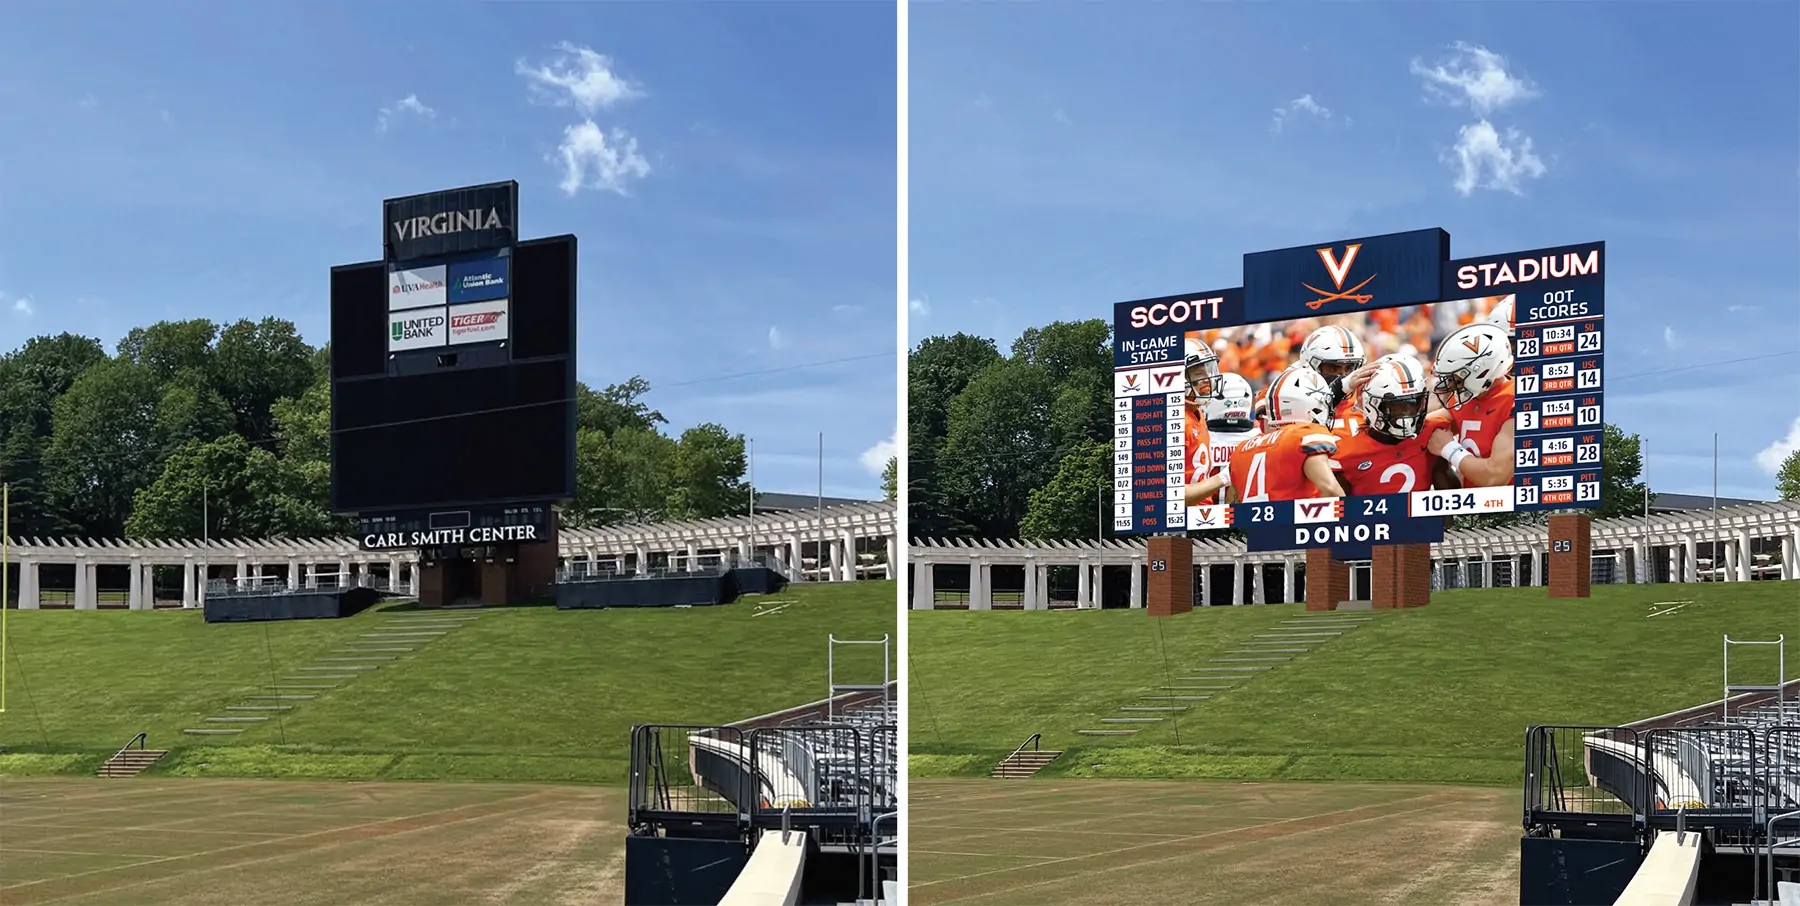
(1067, 842)
(519, 694)
(160, 842)
(1439, 694)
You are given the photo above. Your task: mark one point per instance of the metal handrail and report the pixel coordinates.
(139, 739)
(1032, 742)
(875, 855)
(1769, 836)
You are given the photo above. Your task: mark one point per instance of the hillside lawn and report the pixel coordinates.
(1441, 694)
(521, 694)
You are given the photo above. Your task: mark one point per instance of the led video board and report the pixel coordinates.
(1353, 393)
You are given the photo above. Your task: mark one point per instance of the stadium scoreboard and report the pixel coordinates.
(453, 372)
(1557, 299)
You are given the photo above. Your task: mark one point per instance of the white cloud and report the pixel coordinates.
(920, 307)
(1669, 339)
(1772, 456)
(1061, 117)
(1475, 77)
(875, 458)
(775, 339)
(1302, 104)
(590, 159)
(23, 307)
(1485, 158)
(844, 309)
(1737, 308)
(406, 106)
(88, 101)
(581, 78)
(982, 101)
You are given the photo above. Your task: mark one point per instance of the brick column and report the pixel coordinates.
(1401, 576)
(1327, 580)
(1171, 588)
(1570, 547)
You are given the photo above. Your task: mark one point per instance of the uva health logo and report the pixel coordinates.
(1339, 271)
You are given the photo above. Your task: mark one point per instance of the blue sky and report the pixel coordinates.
(729, 169)
(1065, 157)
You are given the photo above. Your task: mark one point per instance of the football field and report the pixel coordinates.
(162, 842)
(1066, 842)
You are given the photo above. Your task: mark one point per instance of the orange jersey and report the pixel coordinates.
(1479, 421)
(1346, 420)
(1270, 466)
(1199, 445)
(1368, 466)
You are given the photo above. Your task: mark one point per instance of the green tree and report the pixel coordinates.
(170, 348)
(103, 446)
(998, 448)
(32, 377)
(615, 406)
(1070, 506)
(1787, 478)
(256, 364)
(706, 478)
(890, 479)
(239, 488)
(1621, 464)
(938, 370)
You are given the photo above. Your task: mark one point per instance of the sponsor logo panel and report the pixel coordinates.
(419, 287)
(481, 322)
(480, 281)
(419, 329)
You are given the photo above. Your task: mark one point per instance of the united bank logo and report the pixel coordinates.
(420, 328)
(1337, 267)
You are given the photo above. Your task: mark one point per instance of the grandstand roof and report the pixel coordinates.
(1670, 503)
(767, 502)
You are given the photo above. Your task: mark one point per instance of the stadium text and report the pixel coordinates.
(1153, 349)
(1568, 264)
(1342, 534)
(448, 222)
(1181, 311)
(452, 536)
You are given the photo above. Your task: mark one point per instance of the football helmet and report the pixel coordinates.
(1393, 402)
(1471, 359)
(1333, 352)
(1502, 315)
(1299, 395)
(1229, 408)
(1201, 371)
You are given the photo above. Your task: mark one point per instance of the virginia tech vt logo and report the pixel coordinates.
(1339, 271)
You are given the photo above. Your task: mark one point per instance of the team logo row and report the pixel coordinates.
(480, 280)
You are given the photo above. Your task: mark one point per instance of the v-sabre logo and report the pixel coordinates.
(446, 223)
(1339, 271)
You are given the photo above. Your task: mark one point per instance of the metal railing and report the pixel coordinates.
(1581, 773)
(1032, 742)
(139, 740)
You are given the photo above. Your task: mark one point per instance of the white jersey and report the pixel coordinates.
(1223, 443)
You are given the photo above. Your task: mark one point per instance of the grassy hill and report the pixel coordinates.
(1442, 693)
(520, 694)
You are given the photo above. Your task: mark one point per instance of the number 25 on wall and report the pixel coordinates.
(1157, 566)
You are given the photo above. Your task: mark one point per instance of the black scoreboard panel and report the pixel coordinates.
(358, 319)
(449, 429)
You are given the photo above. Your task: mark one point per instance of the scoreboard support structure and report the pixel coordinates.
(1401, 576)
(1327, 579)
(1171, 588)
(1571, 544)
(498, 574)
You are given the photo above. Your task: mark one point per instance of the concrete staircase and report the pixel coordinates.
(392, 637)
(130, 762)
(1023, 763)
(1277, 646)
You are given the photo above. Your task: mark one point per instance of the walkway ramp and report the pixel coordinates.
(1668, 874)
(772, 876)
